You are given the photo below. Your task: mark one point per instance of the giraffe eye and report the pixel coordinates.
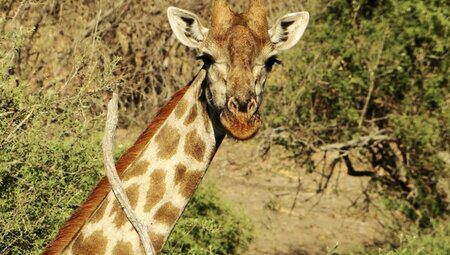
(271, 61)
(206, 58)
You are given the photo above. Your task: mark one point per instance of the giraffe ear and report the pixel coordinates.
(288, 30)
(187, 27)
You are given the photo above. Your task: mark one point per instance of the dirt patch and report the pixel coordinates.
(265, 191)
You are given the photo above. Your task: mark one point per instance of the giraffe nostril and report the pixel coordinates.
(233, 105)
(252, 106)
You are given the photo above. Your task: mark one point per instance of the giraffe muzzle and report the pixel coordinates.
(241, 119)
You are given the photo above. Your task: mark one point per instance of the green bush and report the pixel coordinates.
(48, 164)
(208, 226)
(370, 67)
(432, 242)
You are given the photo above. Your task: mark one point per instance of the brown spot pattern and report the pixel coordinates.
(122, 248)
(180, 109)
(120, 218)
(167, 214)
(99, 214)
(189, 183)
(195, 146)
(93, 244)
(180, 170)
(137, 169)
(191, 116)
(156, 190)
(167, 139)
(157, 241)
(133, 195)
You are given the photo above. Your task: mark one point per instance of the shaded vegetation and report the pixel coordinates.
(372, 86)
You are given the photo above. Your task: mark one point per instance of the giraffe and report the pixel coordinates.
(161, 171)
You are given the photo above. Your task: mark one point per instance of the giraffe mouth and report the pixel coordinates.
(241, 126)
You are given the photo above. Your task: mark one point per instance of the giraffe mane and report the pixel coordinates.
(84, 212)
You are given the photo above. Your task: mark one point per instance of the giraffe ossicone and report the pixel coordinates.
(162, 170)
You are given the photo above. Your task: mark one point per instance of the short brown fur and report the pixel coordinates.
(195, 146)
(180, 170)
(192, 115)
(122, 248)
(167, 214)
(120, 217)
(180, 109)
(167, 140)
(189, 183)
(93, 244)
(157, 189)
(157, 241)
(137, 169)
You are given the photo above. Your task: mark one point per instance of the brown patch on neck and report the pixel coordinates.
(85, 211)
(179, 173)
(167, 140)
(157, 241)
(167, 214)
(180, 109)
(192, 115)
(120, 218)
(189, 183)
(93, 244)
(195, 146)
(122, 248)
(156, 190)
(137, 169)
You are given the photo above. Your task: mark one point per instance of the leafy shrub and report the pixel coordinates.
(208, 226)
(432, 242)
(366, 69)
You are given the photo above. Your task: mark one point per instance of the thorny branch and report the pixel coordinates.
(114, 180)
(304, 146)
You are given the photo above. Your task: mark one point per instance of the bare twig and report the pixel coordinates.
(351, 170)
(299, 185)
(114, 179)
(93, 24)
(18, 9)
(372, 70)
(355, 143)
(18, 126)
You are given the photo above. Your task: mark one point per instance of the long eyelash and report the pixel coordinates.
(206, 58)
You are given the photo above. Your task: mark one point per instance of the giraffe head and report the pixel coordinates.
(238, 50)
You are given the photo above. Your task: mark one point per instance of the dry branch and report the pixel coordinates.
(114, 180)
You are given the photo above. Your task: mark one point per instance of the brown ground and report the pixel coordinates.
(265, 190)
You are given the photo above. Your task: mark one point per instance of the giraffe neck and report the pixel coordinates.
(160, 177)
